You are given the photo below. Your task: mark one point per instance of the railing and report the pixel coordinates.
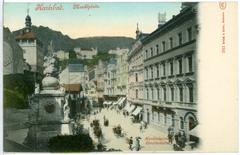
(134, 100)
(184, 105)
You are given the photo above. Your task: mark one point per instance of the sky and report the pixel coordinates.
(106, 19)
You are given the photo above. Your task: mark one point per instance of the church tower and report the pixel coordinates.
(32, 46)
(28, 22)
(138, 32)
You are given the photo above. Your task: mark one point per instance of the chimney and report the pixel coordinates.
(161, 19)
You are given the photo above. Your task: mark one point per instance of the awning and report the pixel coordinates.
(121, 101)
(132, 107)
(109, 103)
(114, 103)
(194, 132)
(117, 101)
(137, 111)
(127, 106)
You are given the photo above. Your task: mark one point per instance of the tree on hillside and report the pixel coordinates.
(72, 55)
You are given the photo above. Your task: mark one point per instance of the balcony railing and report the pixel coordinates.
(183, 105)
(136, 100)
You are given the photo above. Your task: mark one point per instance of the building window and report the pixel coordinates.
(173, 120)
(164, 93)
(146, 73)
(152, 94)
(151, 51)
(136, 76)
(147, 94)
(157, 49)
(190, 64)
(181, 123)
(163, 46)
(171, 42)
(172, 93)
(165, 118)
(180, 66)
(179, 38)
(171, 68)
(158, 93)
(181, 93)
(164, 69)
(136, 93)
(190, 90)
(151, 72)
(189, 32)
(146, 54)
(157, 71)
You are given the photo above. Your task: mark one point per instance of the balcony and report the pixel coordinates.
(136, 100)
(166, 104)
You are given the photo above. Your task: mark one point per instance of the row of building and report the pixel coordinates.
(157, 75)
(162, 72)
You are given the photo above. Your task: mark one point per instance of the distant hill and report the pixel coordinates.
(64, 42)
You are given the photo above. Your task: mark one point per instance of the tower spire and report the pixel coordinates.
(137, 32)
(28, 22)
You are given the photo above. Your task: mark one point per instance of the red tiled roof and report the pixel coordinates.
(28, 35)
(73, 87)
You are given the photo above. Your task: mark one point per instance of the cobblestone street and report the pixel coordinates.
(151, 139)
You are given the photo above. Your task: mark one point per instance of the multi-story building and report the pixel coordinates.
(74, 74)
(91, 85)
(85, 53)
(118, 51)
(62, 55)
(170, 72)
(100, 69)
(32, 47)
(122, 74)
(110, 79)
(135, 75)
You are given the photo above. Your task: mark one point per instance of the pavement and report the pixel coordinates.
(152, 140)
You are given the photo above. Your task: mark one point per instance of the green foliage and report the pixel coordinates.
(100, 56)
(14, 99)
(71, 143)
(88, 62)
(64, 42)
(16, 89)
(72, 55)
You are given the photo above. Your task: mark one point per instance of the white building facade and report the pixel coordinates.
(32, 47)
(136, 76)
(122, 74)
(62, 55)
(118, 51)
(170, 73)
(110, 78)
(85, 53)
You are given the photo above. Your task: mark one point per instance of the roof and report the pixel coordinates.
(185, 14)
(76, 67)
(73, 87)
(28, 35)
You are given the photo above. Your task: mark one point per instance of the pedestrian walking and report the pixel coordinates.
(176, 138)
(136, 146)
(130, 142)
(170, 137)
